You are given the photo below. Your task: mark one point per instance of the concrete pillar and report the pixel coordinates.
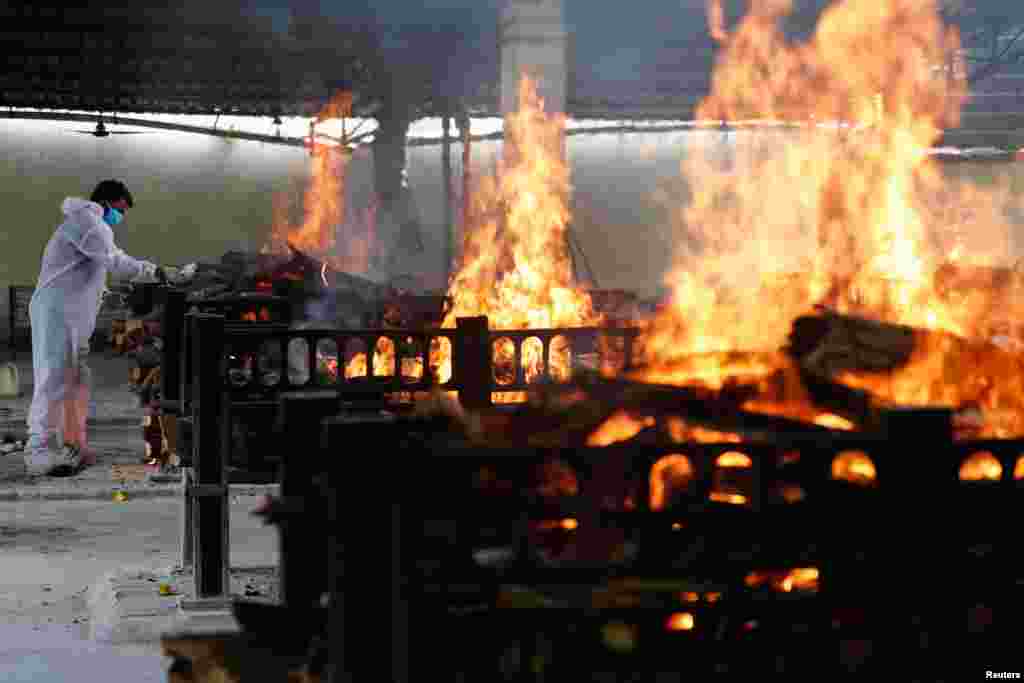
(533, 39)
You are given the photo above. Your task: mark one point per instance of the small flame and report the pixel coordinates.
(321, 203)
(833, 422)
(567, 524)
(855, 467)
(680, 621)
(799, 579)
(981, 466)
(621, 426)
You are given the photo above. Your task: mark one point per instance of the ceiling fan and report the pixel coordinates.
(101, 131)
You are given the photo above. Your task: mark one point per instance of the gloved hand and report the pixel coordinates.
(161, 275)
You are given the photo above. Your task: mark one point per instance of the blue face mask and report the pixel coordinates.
(112, 216)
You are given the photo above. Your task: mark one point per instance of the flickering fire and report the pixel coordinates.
(682, 432)
(731, 483)
(516, 267)
(257, 315)
(679, 621)
(833, 422)
(841, 207)
(670, 474)
(799, 579)
(322, 208)
(855, 467)
(982, 466)
(383, 361)
(412, 361)
(621, 426)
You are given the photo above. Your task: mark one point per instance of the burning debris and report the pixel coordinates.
(311, 219)
(825, 273)
(516, 268)
(755, 391)
(849, 183)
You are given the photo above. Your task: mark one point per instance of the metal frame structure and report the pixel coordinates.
(881, 548)
(395, 586)
(199, 387)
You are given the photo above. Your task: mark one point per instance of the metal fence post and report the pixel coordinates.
(471, 362)
(171, 376)
(209, 493)
(187, 540)
(361, 591)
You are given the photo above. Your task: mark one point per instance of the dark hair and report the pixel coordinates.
(111, 191)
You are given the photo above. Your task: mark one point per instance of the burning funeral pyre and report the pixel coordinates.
(831, 278)
(835, 236)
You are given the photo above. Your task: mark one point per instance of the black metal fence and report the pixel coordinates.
(740, 555)
(212, 367)
(802, 551)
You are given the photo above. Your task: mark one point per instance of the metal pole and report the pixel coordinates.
(188, 546)
(449, 220)
(471, 362)
(173, 335)
(467, 157)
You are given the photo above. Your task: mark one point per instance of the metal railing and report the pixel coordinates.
(213, 367)
(909, 496)
(911, 499)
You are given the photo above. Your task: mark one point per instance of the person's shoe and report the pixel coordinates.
(67, 463)
(88, 458)
(38, 461)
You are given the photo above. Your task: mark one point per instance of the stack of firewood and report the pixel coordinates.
(837, 365)
(132, 334)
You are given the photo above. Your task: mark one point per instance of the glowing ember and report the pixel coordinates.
(855, 467)
(262, 314)
(669, 475)
(679, 621)
(842, 206)
(833, 422)
(621, 426)
(383, 361)
(516, 268)
(799, 579)
(681, 432)
(981, 466)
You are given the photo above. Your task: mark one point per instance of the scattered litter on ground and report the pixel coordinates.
(10, 444)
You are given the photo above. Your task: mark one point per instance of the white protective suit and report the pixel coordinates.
(63, 313)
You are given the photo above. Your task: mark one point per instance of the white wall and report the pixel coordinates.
(195, 195)
(199, 196)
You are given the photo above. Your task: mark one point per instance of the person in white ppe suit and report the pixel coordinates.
(63, 313)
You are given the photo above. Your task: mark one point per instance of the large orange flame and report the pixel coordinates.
(839, 204)
(516, 268)
(322, 206)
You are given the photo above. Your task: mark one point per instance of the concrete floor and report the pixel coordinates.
(54, 551)
(55, 654)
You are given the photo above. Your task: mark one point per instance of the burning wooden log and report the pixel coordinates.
(831, 344)
(857, 367)
(598, 411)
(828, 345)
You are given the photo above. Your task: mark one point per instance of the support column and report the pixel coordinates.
(533, 39)
(471, 362)
(449, 217)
